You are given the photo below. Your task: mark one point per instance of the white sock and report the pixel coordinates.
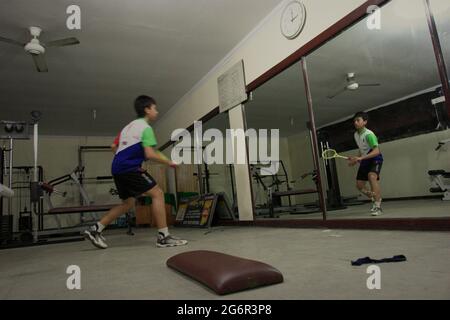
(378, 203)
(100, 227)
(164, 232)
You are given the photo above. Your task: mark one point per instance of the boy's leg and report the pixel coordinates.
(158, 207)
(361, 179)
(159, 214)
(94, 234)
(375, 186)
(117, 211)
(374, 177)
(361, 186)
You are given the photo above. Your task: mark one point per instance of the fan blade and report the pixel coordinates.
(39, 61)
(337, 93)
(11, 41)
(370, 85)
(62, 42)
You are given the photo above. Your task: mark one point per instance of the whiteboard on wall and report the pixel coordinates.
(231, 86)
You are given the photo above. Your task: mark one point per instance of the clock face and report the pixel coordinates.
(293, 19)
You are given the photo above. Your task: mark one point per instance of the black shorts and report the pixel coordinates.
(133, 184)
(364, 170)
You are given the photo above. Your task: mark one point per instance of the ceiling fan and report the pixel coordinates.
(37, 48)
(352, 85)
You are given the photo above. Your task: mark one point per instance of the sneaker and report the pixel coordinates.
(96, 238)
(169, 241)
(374, 207)
(376, 211)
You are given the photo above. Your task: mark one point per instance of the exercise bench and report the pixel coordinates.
(275, 197)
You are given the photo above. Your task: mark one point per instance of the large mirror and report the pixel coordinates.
(291, 193)
(391, 74)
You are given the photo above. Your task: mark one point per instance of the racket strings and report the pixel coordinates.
(329, 154)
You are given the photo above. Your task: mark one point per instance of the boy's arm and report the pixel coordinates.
(152, 154)
(114, 148)
(148, 143)
(115, 144)
(354, 160)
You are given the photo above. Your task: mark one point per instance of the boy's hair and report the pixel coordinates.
(362, 115)
(141, 103)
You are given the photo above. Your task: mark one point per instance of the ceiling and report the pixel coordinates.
(399, 56)
(156, 47)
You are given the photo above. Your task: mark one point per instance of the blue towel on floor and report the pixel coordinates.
(368, 260)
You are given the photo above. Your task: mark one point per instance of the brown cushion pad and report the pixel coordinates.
(224, 273)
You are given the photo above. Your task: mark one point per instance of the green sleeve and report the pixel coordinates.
(372, 140)
(148, 138)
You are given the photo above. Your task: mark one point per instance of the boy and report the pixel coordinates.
(133, 146)
(370, 159)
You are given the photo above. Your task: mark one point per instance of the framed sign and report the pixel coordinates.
(231, 86)
(202, 210)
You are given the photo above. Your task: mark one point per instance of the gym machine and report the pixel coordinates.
(87, 206)
(41, 235)
(80, 180)
(440, 110)
(334, 198)
(274, 194)
(9, 130)
(81, 165)
(438, 177)
(22, 177)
